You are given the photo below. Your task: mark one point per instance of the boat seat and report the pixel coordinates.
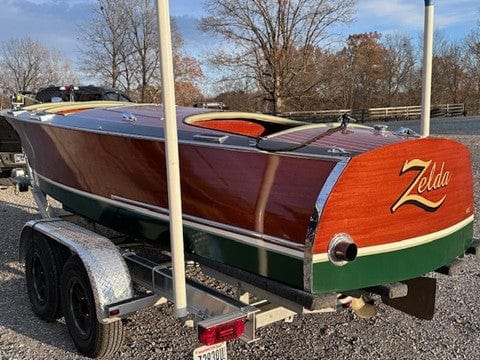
(235, 126)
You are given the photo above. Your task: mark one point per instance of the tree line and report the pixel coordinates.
(275, 56)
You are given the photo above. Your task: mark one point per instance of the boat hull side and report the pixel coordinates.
(254, 255)
(242, 187)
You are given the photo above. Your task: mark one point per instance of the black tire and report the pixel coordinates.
(22, 187)
(91, 337)
(43, 267)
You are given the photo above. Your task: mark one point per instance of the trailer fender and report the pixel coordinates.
(106, 268)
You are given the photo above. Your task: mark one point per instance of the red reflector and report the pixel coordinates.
(114, 312)
(222, 332)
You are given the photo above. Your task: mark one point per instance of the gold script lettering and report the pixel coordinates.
(427, 180)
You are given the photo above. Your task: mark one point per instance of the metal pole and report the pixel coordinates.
(427, 68)
(172, 159)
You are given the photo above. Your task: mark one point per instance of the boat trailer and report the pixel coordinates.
(112, 276)
(73, 268)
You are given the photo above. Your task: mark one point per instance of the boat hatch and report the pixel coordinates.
(242, 124)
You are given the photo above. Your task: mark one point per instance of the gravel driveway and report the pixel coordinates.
(454, 333)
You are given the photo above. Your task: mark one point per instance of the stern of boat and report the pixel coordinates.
(394, 213)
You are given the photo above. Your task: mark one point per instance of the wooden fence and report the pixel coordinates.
(376, 114)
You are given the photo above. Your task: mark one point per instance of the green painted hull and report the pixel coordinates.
(272, 265)
(108, 213)
(392, 266)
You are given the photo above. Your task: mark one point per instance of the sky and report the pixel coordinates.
(56, 23)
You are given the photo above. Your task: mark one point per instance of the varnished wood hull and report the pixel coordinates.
(409, 208)
(407, 204)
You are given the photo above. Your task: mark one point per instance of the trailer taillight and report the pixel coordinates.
(221, 332)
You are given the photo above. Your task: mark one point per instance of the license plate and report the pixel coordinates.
(19, 158)
(211, 352)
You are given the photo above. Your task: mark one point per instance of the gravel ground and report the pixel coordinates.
(454, 333)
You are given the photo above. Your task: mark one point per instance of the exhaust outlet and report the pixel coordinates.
(342, 250)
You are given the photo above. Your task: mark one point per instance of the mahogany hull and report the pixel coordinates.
(407, 204)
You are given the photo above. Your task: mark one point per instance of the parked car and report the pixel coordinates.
(11, 154)
(79, 93)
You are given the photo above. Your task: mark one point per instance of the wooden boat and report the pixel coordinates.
(318, 207)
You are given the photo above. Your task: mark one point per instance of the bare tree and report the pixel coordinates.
(187, 94)
(105, 39)
(143, 37)
(26, 65)
(240, 95)
(120, 48)
(335, 89)
(472, 70)
(364, 56)
(401, 83)
(272, 39)
(57, 70)
(448, 73)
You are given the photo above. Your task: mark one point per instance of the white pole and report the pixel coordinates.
(172, 159)
(427, 68)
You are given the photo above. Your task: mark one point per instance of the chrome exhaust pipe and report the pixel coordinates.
(342, 250)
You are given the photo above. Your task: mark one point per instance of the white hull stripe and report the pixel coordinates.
(403, 244)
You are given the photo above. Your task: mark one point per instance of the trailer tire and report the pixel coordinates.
(43, 268)
(91, 337)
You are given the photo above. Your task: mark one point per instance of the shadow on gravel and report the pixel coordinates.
(15, 311)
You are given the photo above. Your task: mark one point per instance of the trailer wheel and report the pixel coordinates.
(43, 267)
(91, 337)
